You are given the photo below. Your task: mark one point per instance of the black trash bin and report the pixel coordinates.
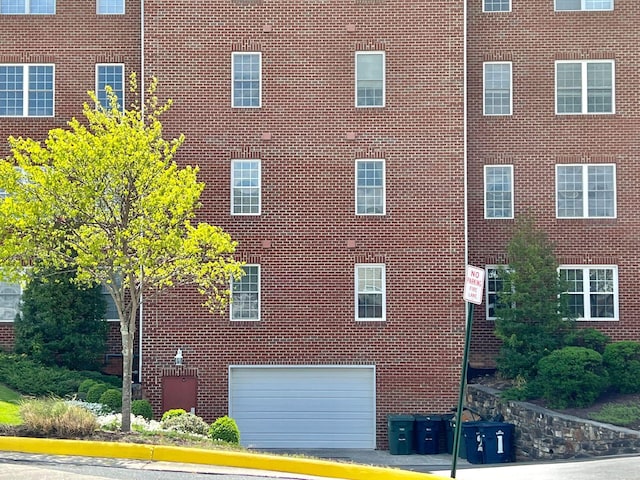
(400, 431)
(498, 442)
(450, 426)
(427, 433)
(472, 438)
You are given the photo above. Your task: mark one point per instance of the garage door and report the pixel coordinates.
(304, 407)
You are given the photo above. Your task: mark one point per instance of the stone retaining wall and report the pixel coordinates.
(545, 434)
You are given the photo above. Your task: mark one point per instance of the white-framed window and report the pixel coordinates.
(592, 291)
(27, 7)
(586, 191)
(584, 87)
(370, 292)
(245, 295)
(110, 7)
(246, 187)
(111, 74)
(370, 79)
(496, 5)
(27, 90)
(586, 5)
(10, 295)
(111, 312)
(246, 79)
(493, 287)
(498, 191)
(497, 98)
(370, 187)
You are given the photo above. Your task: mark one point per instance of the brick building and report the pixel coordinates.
(331, 138)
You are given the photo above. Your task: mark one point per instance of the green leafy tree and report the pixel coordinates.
(532, 317)
(61, 323)
(106, 198)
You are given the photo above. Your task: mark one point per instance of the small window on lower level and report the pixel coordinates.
(592, 291)
(370, 292)
(110, 7)
(245, 295)
(10, 295)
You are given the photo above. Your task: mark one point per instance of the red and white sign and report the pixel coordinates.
(473, 285)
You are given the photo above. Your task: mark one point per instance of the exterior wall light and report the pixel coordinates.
(178, 357)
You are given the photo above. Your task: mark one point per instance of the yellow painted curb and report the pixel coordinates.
(161, 453)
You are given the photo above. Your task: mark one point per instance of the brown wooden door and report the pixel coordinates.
(180, 392)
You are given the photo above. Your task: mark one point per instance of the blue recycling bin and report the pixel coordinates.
(473, 443)
(427, 433)
(489, 442)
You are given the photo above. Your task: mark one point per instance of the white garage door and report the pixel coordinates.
(304, 407)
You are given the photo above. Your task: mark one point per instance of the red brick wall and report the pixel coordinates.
(534, 139)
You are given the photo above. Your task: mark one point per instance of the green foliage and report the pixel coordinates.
(54, 417)
(174, 412)
(187, 423)
(95, 392)
(142, 408)
(8, 395)
(587, 338)
(572, 377)
(111, 399)
(616, 414)
(61, 323)
(9, 414)
(225, 429)
(622, 361)
(531, 313)
(85, 385)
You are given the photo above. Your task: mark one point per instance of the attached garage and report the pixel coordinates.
(304, 406)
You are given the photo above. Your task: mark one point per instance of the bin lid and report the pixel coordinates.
(400, 418)
(428, 417)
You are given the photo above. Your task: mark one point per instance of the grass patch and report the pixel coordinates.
(618, 414)
(8, 395)
(9, 409)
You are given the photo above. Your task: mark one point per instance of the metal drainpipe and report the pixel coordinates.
(141, 83)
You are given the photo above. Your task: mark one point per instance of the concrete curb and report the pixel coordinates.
(277, 463)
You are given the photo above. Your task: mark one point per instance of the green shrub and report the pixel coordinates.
(572, 377)
(587, 338)
(616, 414)
(54, 417)
(174, 412)
(85, 385)
(112, 400)
(226, 430)
(95, 392)
(622, 361)
(186, 423)
(142, 408)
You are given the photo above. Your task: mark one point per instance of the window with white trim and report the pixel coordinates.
(246, 79)
(370, 79)
(498, 191)
(111, 311)
(27, 7)
(111, 74)
(370, 292)
(586, 5)
(110, 7)
(586, 191)
(10, 295)
(584, 87)
(496, 6)
(246, 187)
(245, 295)
(26, 90)
(370, 187)
(494, 285)
(592, 291)
(497, 88)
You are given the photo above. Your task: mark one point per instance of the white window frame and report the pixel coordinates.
(99, 3)
(367, 291)
(27, 9)
(586, 293)
(109, 300)
(235, 187)
(583, 7)
(484, 7)
(585, 86)
(586, 200)
(98, 89)
(26, 92)
(491, 294)
(7, 305)
(384, 75)
(257, 293)
(233, 73)
(485, 89)
(383, 187)
(487, 191)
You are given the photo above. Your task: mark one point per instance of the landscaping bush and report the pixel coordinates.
(572, 377)
(54, 417)
(174, 412)
(142, 408)
(622, 361)
(226, 430)
(186, 423)
(95, 392)
(587, 338)
(111, 399)
(85, 385)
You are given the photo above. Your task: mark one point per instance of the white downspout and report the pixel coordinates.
(464, 137)
(142, 112)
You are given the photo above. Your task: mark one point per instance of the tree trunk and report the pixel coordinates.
(127, 330)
